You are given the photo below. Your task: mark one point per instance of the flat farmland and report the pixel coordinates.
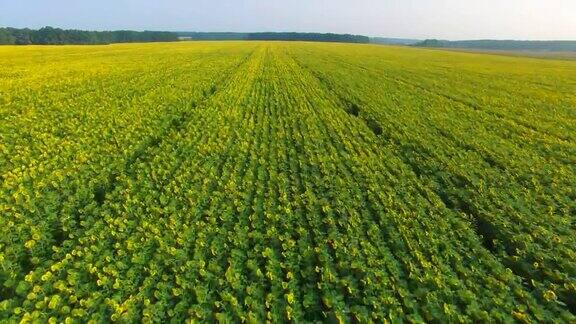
(285, 181)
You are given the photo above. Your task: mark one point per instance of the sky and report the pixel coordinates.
(420, 19)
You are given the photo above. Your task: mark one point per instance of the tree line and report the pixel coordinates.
(284, 36)
(505, 45)
(57, 36)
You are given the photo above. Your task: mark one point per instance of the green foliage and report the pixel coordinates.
(6, 38)
(57, 36)
(310, 37)
(254, 181)
(502, 45)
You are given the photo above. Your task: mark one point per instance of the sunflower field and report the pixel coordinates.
(285, 182)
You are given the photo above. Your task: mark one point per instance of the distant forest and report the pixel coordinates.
(57, 36)
(504, 45)
(311, 37)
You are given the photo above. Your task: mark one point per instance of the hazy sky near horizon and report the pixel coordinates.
(445, 19)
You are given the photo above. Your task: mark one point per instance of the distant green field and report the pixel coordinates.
(255, 181)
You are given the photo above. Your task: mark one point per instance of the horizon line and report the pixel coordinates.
(306, 32)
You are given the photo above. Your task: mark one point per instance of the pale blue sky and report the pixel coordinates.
(447, 19)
